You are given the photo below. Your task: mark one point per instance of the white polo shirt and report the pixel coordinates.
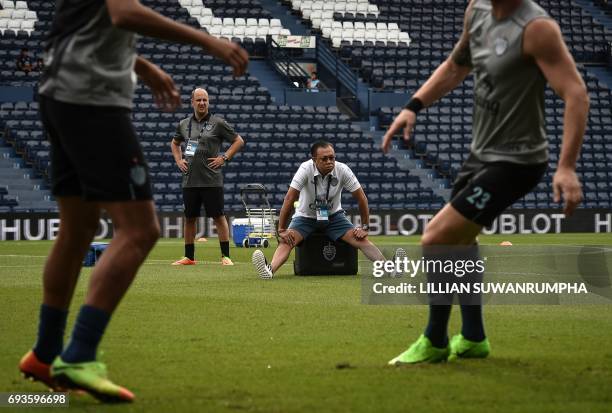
(304, 181)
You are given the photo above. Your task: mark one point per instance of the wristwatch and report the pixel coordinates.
(365, 227)
(225, 158)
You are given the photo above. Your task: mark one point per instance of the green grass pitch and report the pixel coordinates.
(219, 339)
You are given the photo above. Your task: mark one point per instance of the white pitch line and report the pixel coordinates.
(157, 262)
(20, 255)
(146, 262)
(19, 266)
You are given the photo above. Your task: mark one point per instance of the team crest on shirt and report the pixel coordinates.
(329, 251)
(334, 181)
(209, 126)
(500, 45)
(138, 174)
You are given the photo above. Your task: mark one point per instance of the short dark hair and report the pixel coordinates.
(314, 73)
(319, 144)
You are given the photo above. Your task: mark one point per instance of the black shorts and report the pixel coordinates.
(94, 152)
(483, 190)
(211, 197)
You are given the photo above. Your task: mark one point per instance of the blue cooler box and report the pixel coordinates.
(240, 230)
(93, 255)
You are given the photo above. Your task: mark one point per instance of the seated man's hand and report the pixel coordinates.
(360, 233)
(286, 236)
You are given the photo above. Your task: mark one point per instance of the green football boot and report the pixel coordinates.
(91, 377)
(461, 347)
(421, 351)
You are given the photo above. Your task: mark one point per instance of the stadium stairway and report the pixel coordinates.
(288, 20)
(19, 189)
(269, 78)
(596, 12)
(603, 73)
(406, 161)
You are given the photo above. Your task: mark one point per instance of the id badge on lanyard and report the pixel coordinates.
(191, 147)
(192, 144)
(322, 211)
(322, 205)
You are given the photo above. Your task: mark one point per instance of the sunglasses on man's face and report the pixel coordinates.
(327, 158)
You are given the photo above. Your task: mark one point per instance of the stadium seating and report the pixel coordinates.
(282, 133)
(376, 44)
(278, 140)
(235, 20)
(394, 45)
(22, 24)
(16, 17)
(443, 132)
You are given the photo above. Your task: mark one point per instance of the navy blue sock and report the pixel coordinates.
(473, 326)
(190, 251)
(224, 248)
(440, 305)
(88, 331)
(437, 327)
(51, 326)
(471, 304)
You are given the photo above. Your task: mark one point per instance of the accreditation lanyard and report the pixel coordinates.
(322, 205)
(191, 144)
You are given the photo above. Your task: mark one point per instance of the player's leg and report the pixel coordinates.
(113, 174)
(136, 230)
(78, 223)
(192, 201)
(455, 223)
(214, 205)
(450, 228)
(477, 205)
(447, 227)
(481, 201)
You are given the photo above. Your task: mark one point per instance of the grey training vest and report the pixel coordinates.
(210, 134)
(88, 61)
(508, 88)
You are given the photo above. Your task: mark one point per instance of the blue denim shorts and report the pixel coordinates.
(335, 228)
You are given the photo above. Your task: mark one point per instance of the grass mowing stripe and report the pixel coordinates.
(210, 338)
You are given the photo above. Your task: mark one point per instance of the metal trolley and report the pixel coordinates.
(261, 220)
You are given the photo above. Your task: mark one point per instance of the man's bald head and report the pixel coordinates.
(199, 102)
